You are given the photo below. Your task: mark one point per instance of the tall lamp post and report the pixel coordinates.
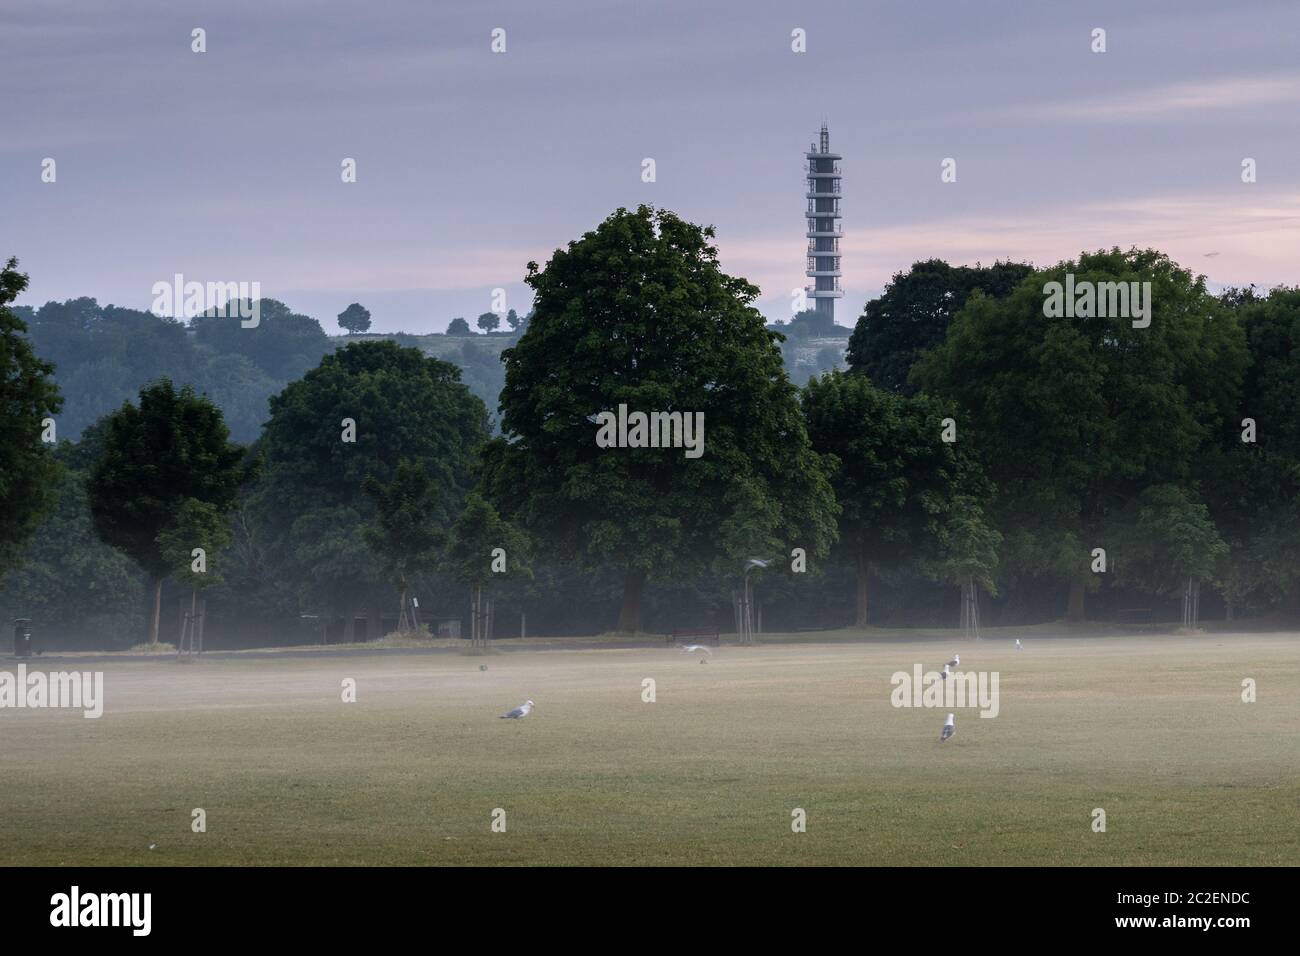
(746, 602)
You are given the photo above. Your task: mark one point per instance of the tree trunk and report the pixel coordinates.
(629, 617)
(475, 617)
(403, 615)
(969, 609)
(860, 615)
(1074, 610)
(349, 624)
(157, 610)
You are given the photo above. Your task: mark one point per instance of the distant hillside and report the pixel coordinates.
(808, 357)
(103, 355)
(804, 355)
(479, 356)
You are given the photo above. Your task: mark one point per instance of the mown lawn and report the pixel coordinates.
(1152, 730)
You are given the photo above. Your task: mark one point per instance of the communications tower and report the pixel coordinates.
(824, 226)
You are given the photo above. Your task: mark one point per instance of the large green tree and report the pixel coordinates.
(156, 457)
(966, 550)
(897, 481)
(638, 313)
(364, 410)
(1163, 538)
(29, 473)
(1073, 417)
(190, 545)
(484, 547)
(912, 314)
(405, 533)
(354, 319)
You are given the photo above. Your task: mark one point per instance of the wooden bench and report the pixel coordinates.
(705, 632)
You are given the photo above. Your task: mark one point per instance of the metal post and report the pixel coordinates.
(747, 611)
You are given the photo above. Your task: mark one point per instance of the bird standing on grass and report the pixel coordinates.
(1019, 646)
(520, 712)
(943, 675)
(948, 728)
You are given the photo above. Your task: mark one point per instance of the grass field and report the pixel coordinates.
(1151, 729)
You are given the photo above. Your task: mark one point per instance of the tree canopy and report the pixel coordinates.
(29, 473)
(474, 541)
(638, 313)
(363, 411)
(1073, 417)
(103, 356)
(354, 319)
(68, 579)
(404, 534)
(912, 315)
(897, 481)
(171, 449)
(283, 344)
(1173, 447)
(1251, 476)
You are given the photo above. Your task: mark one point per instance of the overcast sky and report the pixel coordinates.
(225, 166)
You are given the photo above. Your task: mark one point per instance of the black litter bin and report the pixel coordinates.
(22, 637)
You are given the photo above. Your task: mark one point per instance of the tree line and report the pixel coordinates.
(972, 443)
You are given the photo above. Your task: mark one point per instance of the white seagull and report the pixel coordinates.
(520, 712)
(956, 661)
(948, 729)
(1019, 646)
(695, 649)
(944, 674)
